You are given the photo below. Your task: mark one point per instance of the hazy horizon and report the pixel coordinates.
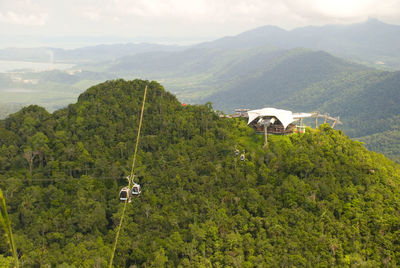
(27, 23)
(73, 41)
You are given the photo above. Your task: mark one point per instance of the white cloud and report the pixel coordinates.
(318, 12)
(194, 10)
(23, 18)
(244, 13)
(91, 13)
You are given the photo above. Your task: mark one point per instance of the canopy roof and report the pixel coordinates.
(284, 116)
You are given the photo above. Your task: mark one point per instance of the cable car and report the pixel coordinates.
(136, 189)
(242, 156)
(125, 195)
(236, 152)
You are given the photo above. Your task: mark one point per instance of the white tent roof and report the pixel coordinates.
(286, 117)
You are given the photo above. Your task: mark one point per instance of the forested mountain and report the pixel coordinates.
(284, 78)
(313, 199)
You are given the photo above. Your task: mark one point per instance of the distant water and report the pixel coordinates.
(10, 66)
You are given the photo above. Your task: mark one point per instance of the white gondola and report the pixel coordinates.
(125, 195)
(237, 152)
(136, 189)
(242, 157)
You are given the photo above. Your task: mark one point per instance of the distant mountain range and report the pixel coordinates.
(82, 55)
(372, 41)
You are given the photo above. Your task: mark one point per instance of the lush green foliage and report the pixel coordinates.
(6, 226)
(313, 199)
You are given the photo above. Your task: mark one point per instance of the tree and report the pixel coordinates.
(39, 144)
(30, 155)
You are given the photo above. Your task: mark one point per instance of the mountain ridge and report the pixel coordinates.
(370, 41)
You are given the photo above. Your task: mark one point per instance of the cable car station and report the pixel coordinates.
(278, 121)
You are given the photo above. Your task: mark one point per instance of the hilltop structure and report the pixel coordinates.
(274, 121)
(278, 121)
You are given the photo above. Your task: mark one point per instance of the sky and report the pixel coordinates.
(24, 22)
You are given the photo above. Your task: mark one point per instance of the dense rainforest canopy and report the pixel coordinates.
(316, 199)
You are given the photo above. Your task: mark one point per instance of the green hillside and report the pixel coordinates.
(316, 199)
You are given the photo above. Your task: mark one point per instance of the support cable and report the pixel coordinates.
(130, 180)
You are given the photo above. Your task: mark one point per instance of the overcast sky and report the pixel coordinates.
(178, 20)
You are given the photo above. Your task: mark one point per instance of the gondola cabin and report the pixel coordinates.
(125, 195)
(136, 189)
